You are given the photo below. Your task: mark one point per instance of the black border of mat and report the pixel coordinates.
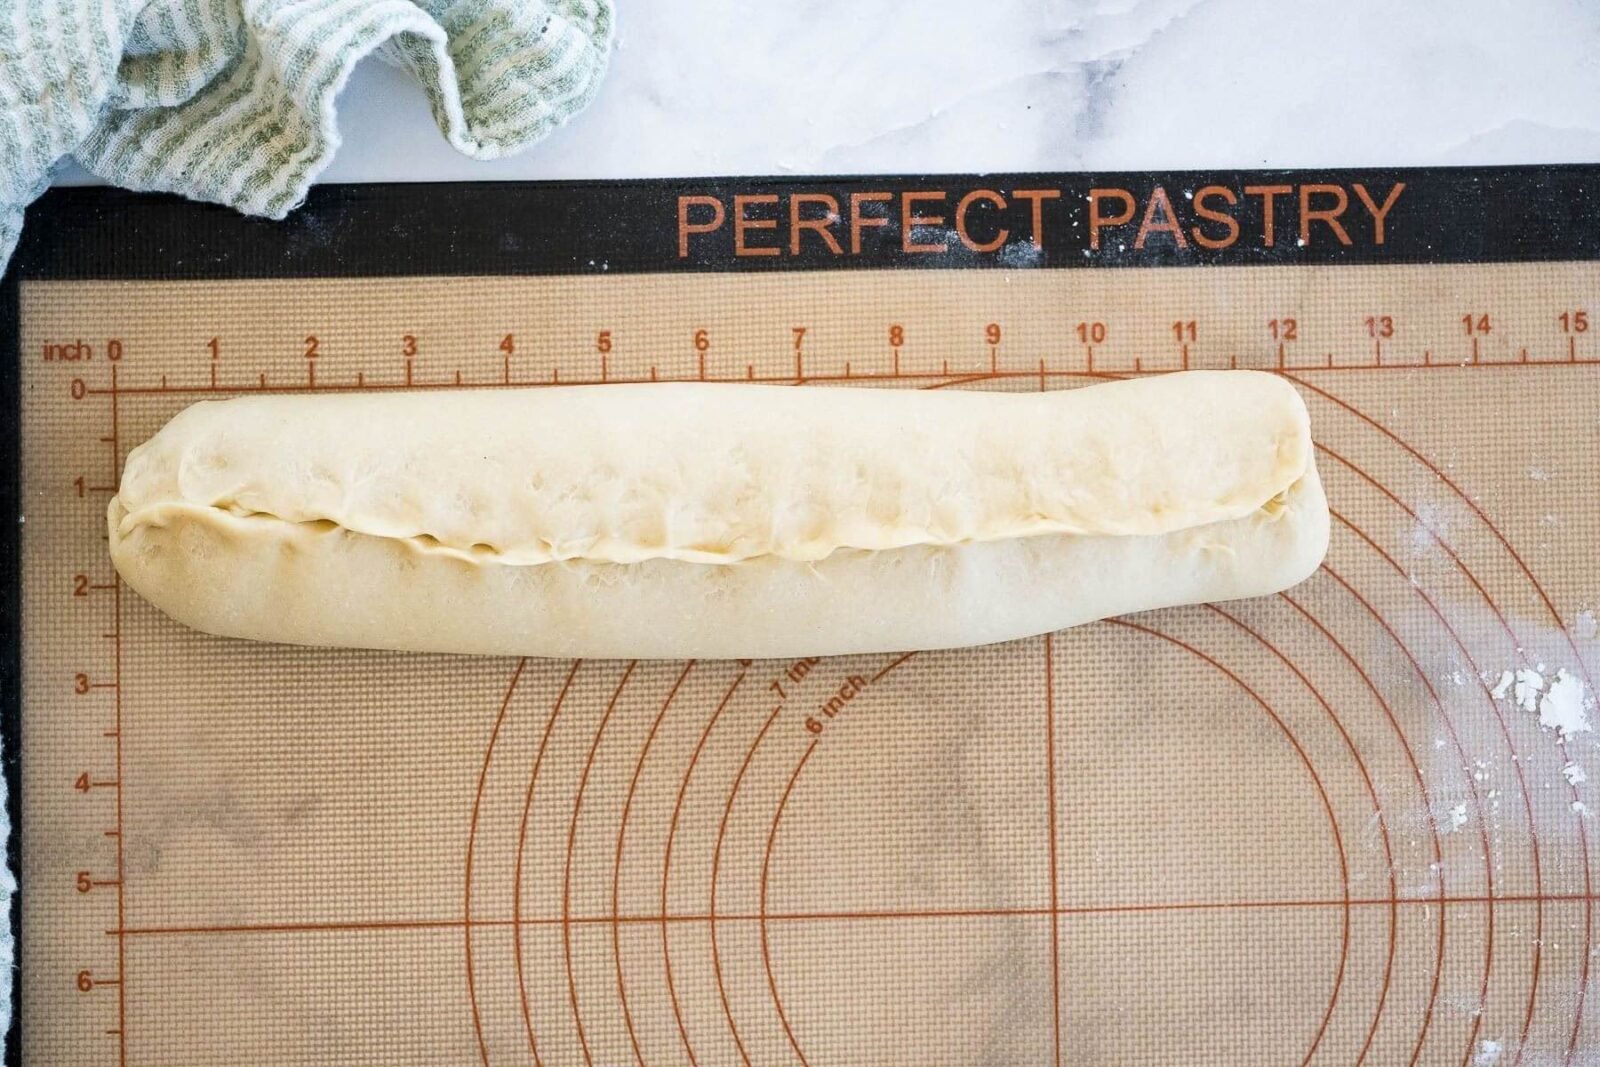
(1445, 215)
(11, 512)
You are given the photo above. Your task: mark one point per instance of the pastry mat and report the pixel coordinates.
(1322, 827)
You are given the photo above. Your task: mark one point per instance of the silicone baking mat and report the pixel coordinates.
(1347, 824)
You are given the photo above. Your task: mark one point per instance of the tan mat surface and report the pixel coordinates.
(1308, 828)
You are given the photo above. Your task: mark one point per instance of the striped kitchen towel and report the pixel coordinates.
(233, 100)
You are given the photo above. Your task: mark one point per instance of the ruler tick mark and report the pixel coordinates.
(116, 652)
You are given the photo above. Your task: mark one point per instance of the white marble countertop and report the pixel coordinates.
(701, 87)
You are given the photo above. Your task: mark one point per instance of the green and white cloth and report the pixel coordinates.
(232, 101)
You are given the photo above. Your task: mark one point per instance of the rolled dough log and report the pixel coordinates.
(679, 520)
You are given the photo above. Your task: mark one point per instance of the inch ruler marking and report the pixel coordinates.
(87, 783)
(116, 645)
(744, 329)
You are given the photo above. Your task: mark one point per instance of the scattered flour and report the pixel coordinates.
(1458, 818)
(1562, 707)
(1575, 774)
(1588, 625)
(1488, 1053)
(1581, 809)
(1526, 691)
(1430, 529)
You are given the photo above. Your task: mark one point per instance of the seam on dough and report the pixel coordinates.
(1272, 509)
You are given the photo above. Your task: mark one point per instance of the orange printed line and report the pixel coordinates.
(1042, 374)
(869, 915)
(1050, 800)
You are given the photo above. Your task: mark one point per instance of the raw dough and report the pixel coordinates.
(675, 520)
